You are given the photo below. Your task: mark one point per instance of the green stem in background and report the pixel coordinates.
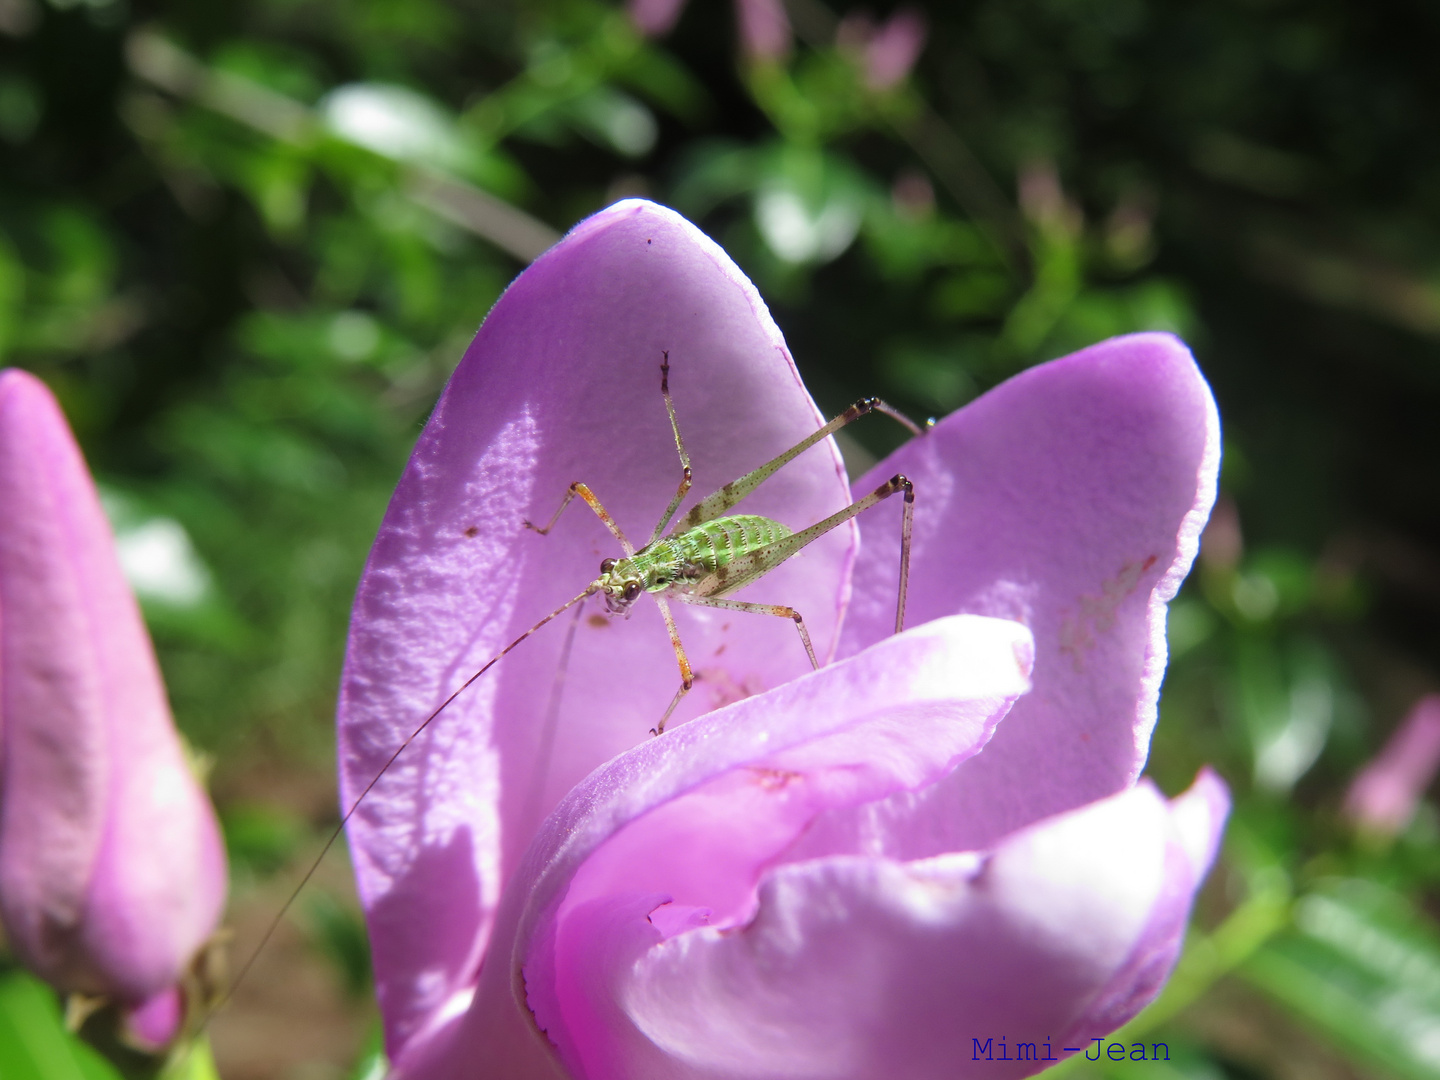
(192, 1061)
(154, 59)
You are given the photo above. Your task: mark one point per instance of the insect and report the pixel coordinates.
(711, 553)
(708, 555)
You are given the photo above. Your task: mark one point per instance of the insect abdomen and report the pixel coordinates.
(718, 543)
(702, 550)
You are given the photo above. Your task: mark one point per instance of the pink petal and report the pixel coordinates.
(865, 968)
(695, 819)
(111, 869)
(153, 1023)
(1071, 499)
(561, 384)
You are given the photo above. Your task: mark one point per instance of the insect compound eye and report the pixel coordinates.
(632, 590)
(607, 565)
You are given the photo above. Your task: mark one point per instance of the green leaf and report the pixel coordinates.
(34, 1044)
(1363, 966)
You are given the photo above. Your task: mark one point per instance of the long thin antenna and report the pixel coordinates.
(541, 772)
(590, 590)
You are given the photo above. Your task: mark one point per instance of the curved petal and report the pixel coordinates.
(111, 869)
(680, 830)
(152, 1024)
(1070, 498)
(867, 968)
(561, 384)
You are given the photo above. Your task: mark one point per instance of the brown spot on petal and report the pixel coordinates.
(724, 690)
(473, 530)
(775, 779)
(1095, 615)
(598, 621)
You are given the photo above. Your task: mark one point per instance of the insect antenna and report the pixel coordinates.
(541, 771)
(274, 924)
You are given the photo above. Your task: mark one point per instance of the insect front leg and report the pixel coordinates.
(595, 504)
(757, 609)
(679, 445)
(722, 501)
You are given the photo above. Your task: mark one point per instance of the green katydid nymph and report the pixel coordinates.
(711, 554)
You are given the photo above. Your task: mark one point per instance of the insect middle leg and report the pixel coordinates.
(779, 610)
(709, 591)
(687, 677)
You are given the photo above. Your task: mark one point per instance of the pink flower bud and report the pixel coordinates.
(112, 872)
(890, 51)
(1382, 799)
(764, 28)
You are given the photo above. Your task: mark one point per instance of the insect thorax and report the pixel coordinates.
(700, 551)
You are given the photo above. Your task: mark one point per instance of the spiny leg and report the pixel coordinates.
(757, 609)
(687, 676)
(684, 488)
(713, 506)
(595, 504)
(747, 568)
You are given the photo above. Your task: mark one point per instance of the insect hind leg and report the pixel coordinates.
(748, 568)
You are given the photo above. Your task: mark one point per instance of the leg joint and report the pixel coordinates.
(862, 407)
(896, 483)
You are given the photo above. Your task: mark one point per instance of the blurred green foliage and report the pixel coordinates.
(246, 244)
(33, 1042)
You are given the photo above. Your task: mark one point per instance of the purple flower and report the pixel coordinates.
(112, 873)
(824, 876)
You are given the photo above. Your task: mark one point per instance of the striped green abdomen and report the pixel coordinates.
(713, 545)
